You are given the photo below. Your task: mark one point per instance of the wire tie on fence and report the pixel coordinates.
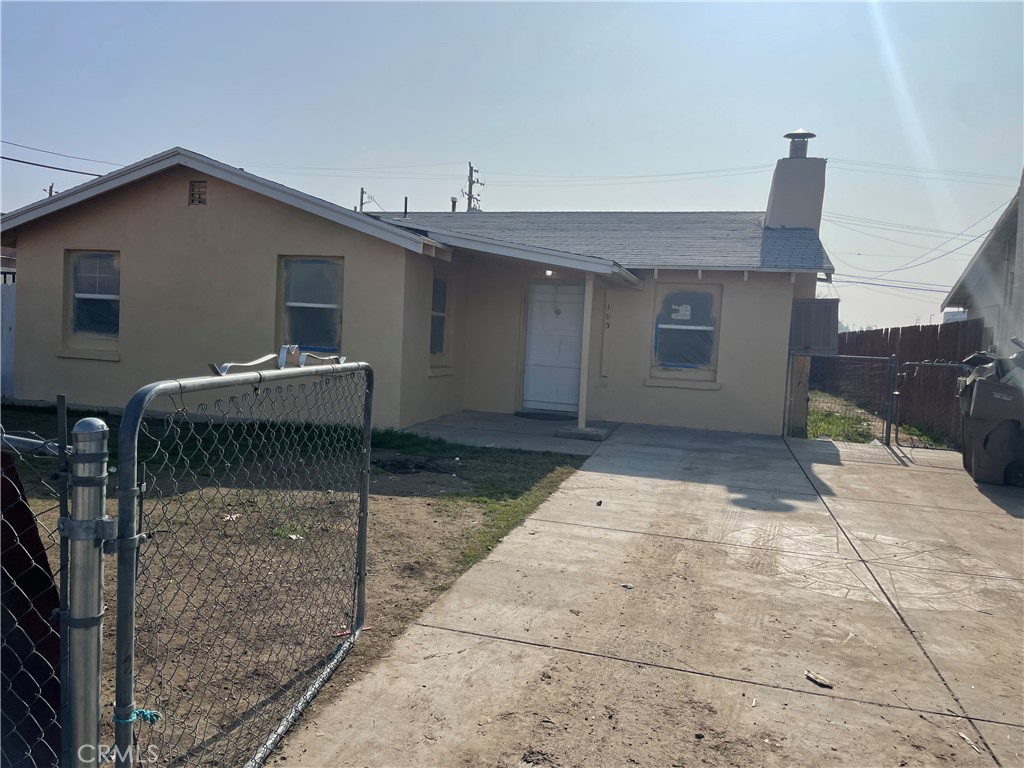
(145, 715)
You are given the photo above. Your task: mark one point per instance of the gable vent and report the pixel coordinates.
(197, 193)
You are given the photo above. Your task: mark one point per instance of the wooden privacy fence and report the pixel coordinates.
(927, 398)
(949, 342)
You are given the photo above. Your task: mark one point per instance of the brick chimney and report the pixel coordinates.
(798, 187)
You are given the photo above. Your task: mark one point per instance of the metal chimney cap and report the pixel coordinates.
(799, 135)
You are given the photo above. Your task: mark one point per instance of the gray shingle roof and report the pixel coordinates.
(726, 240)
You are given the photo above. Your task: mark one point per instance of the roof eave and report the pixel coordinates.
(545, 256)
(954, 298)
(825, 270)
(188, 159)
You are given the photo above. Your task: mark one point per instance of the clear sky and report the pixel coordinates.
(539, 95)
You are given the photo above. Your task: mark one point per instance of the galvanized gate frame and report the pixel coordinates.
(891, 393)
(129, 538)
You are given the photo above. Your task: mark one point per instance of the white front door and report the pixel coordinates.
(554, 333)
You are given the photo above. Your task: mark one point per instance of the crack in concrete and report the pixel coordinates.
(900, 616)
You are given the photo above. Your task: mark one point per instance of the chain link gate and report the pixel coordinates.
(242, 512)
(927, 412)
(848, 398)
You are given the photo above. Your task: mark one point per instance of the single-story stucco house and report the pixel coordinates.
(160, 268)
(992, 285)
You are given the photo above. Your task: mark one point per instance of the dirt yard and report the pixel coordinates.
(231, 619)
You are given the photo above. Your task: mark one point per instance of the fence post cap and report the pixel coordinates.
(89, 426)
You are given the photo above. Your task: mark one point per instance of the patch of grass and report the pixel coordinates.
(848, 428)
(406, 442)
(506, 485)
(926, 437)
(504, 513)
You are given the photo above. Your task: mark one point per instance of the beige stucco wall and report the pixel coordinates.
(748, 390)
(747, 394)
(496, 330)
(432, 387)
(199, 284)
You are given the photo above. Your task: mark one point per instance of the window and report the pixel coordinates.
(197, 193)
(96, 293)
(312, 290)
(438, 316)
(684, 333)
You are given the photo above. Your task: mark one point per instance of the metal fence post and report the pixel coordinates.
(85, 585)
(891, 382)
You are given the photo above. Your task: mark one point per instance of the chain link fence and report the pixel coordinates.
(840, 397)
(33, 598)
(248, 591)
(927, 412)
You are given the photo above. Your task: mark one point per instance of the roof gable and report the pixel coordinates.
(186, 158)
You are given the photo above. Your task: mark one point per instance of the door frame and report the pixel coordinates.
(524, 313)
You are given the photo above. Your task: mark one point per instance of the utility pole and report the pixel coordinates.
(473, 201)
(362, 195)
(49, 192)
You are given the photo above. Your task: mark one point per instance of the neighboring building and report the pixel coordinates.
(160, 268)
(8, 290)
(992, 285)
(953, 316)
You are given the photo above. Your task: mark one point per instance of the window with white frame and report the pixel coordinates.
(95, 293)
(311, 303)
(685, 328)
(438, 316)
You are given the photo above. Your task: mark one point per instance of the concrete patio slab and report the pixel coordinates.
(1007, 743)
(504, 430)
(528, 705)
(752, 614)
(900, 584)
(924, 537)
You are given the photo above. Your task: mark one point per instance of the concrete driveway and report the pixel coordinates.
(662, 608)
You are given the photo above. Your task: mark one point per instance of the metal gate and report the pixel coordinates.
(238, 542)
(927, 411)
(846, 398)
(242, 509)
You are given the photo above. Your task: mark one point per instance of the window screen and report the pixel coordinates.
(312, 304)
(96, 302)
(438, 313)
(685, 332)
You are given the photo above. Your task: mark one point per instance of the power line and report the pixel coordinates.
(903, 230)
(865, 222)
(634, 176)
(910, 264)
(622, 183)
(51, 167)
(832, 255)
(881, 255)
(844, 281)
(922, 170)
(894, 281)
(410, 177)
(872, 234)
(355, 168)
(58, 154)
(926, 178)
(896, 295)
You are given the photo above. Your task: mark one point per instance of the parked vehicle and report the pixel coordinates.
(992, 416)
